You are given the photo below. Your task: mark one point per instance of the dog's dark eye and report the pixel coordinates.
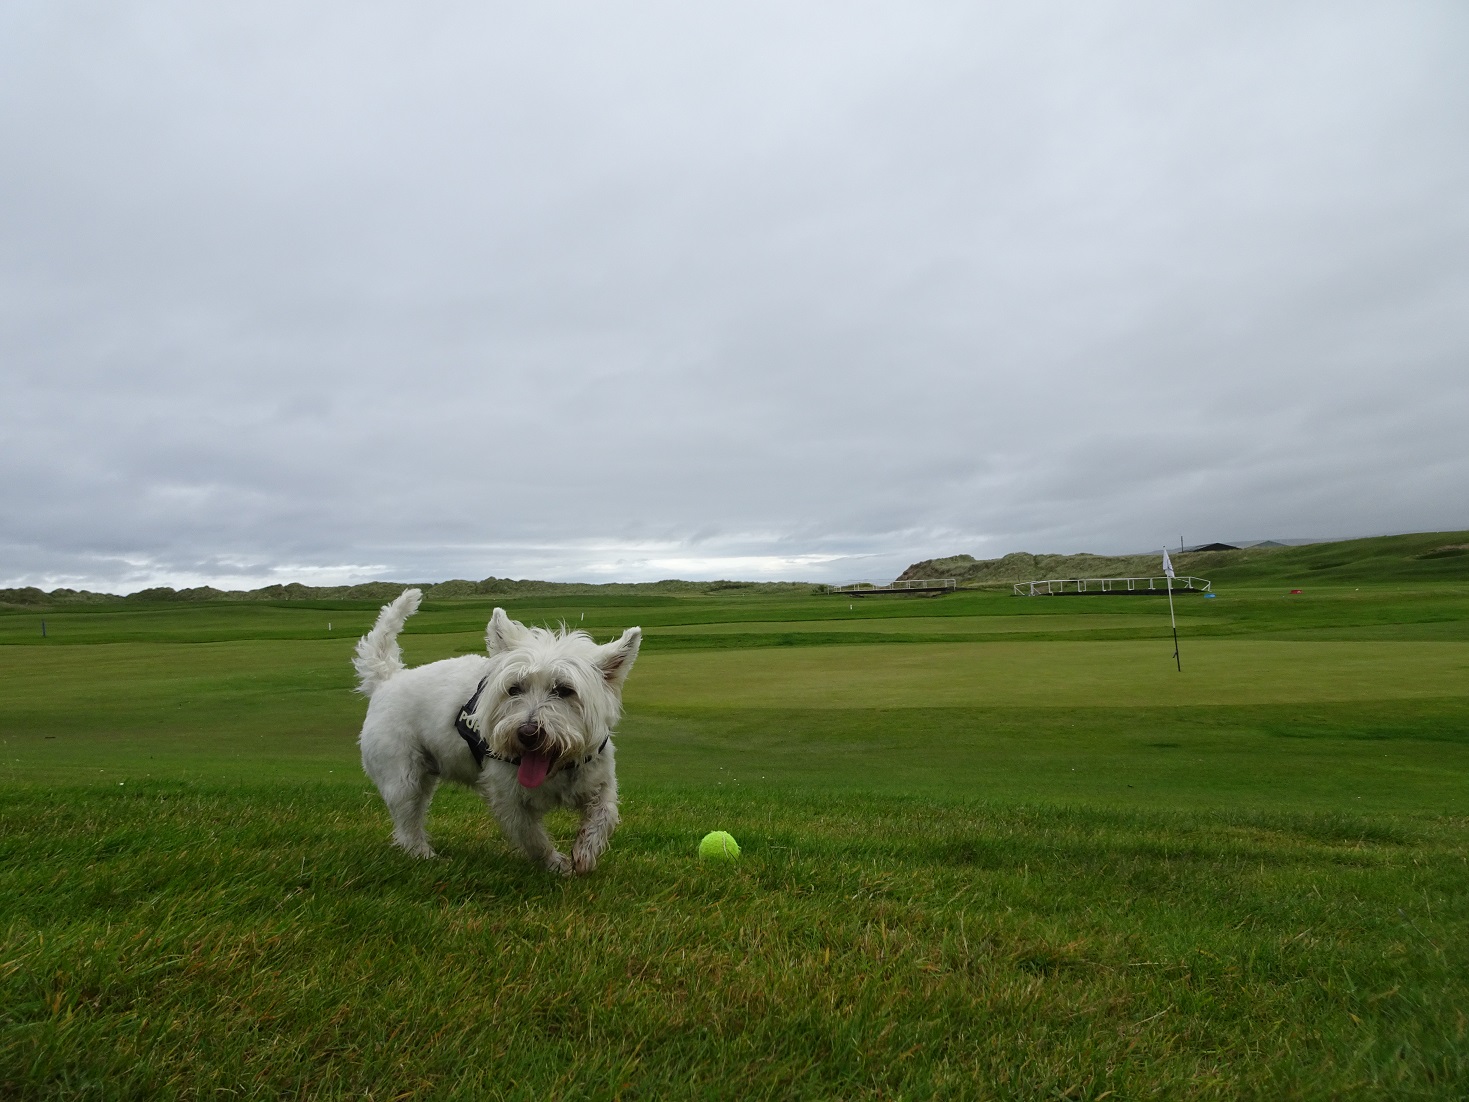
(515, 690)
(563, 691)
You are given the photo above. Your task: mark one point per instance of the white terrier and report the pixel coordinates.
(528, 728)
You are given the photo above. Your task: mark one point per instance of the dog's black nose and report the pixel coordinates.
(531, 735)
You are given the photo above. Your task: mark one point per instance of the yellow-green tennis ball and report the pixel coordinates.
(719, 845)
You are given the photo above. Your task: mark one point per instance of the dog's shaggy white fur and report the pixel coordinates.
(549, 702)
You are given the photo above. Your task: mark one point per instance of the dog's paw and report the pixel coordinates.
(583, 862)
(559, 863)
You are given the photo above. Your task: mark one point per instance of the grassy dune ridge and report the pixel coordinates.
(994, 847)
(1419, 556)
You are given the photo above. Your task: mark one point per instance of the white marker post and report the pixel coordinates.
(1168, 570)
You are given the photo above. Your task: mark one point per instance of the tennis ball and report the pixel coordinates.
(719, 845)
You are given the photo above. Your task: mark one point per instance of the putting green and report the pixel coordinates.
(1132, 673)
(918, 625)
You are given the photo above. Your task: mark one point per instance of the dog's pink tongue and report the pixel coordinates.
(533, 769)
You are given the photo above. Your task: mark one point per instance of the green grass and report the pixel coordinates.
(993, 848)
(263, 942)
(1420, 557)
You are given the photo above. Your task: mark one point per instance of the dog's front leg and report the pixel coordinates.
(598, 821)
(526, 831)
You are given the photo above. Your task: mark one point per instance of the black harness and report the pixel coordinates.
(468, 728)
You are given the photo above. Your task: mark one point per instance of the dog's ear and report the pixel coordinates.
(617, 657)
(502, 633)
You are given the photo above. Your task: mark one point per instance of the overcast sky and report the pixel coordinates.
(336, 291)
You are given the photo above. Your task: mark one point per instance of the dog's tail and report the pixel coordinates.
(378, 656)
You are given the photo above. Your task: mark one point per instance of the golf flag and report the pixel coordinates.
(1168, 570)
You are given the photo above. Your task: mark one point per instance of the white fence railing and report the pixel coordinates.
(927, 584)
(1054, 587)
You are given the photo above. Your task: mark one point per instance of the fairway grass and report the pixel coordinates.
(1054, 674)
(980, 860)
(922, 625)
(174, 941)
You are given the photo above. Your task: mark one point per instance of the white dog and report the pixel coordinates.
(528, 728)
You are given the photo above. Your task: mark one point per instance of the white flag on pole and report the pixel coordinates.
(1168, 569)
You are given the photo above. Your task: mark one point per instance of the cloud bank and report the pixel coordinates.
(589, 293)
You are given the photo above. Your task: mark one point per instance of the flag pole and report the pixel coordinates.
(1168, 572)
(1176, 659)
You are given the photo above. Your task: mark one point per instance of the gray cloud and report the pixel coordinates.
(584, 292)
